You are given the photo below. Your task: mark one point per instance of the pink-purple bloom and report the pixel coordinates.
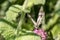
(41, 33)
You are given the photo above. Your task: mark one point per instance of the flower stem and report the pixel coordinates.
(20, 23)
(21, 18)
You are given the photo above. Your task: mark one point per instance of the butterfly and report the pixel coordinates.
(40, 20)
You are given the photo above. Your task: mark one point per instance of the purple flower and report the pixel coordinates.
(41, 33)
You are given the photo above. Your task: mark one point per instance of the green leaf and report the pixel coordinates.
(57, 6)
(12, 1)
(38, 2)
(6, 30)
(56, 31)
(35, 2)
(28, 37)
(52, 21)
(12, 12)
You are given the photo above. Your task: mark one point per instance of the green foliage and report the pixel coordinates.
(10, 29)
(55, 30)
(15, 9)
(7, 30)
(28, 37)
(39, 2)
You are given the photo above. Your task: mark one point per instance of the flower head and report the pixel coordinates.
(41, 33)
